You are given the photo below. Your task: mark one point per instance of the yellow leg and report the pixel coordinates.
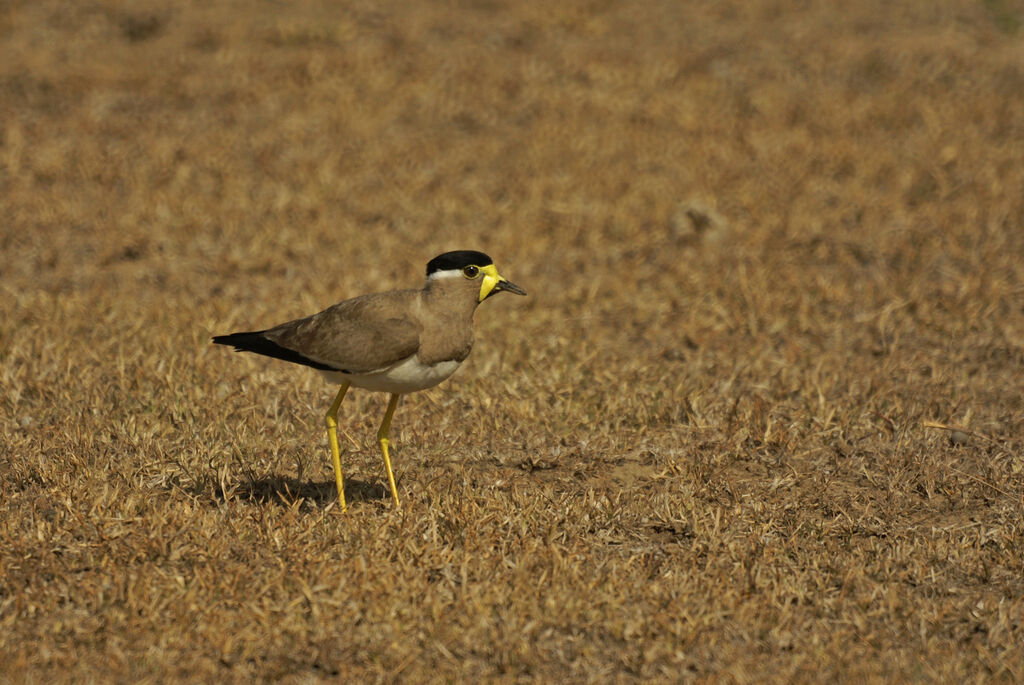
(332, 438)
(382, 438)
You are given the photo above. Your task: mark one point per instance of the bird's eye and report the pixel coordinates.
(470, 271)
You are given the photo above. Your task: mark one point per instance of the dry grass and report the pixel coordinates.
(775, 253)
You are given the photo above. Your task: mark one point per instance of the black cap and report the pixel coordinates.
(457, 260)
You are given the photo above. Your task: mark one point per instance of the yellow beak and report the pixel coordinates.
(493, 282)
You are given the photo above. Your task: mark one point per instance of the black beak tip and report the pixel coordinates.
(511, 287)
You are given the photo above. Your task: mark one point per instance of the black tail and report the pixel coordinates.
(254, 341)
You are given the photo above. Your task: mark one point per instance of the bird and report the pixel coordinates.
(400, 341)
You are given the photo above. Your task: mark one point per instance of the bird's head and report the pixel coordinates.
(477, 271)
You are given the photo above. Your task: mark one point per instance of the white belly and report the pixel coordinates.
(408, 375)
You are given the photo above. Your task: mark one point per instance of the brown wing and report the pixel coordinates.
(360, 335)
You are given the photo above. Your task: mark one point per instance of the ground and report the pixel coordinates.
(760, 418)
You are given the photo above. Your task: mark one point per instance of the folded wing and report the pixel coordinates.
(360, 335)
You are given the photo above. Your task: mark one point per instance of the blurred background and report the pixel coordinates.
(765, 243)
(655, 173)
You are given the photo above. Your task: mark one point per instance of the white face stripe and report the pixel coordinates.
(447, 273)
(487, 275)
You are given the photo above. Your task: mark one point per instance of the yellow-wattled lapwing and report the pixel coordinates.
(398, 342)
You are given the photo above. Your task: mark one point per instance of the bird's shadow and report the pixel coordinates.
(286, 491)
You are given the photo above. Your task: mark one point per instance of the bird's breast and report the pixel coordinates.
(408, 375)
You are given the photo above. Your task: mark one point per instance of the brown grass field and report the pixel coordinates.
(760, 418)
